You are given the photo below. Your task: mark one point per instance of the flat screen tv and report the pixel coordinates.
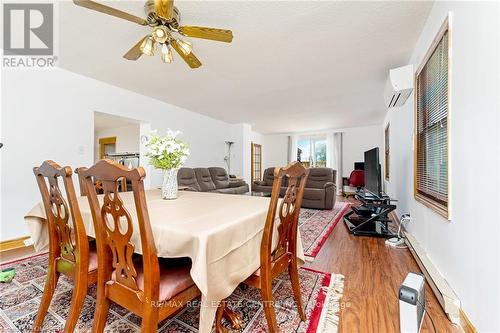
(373, 181)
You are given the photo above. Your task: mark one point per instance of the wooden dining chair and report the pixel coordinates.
(275, 260)
(69, 252)
(151, 289)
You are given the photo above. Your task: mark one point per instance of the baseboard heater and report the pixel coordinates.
(445, 295)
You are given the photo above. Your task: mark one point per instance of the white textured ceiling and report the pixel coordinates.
(292, 66)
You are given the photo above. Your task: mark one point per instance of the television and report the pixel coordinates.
(373, 174)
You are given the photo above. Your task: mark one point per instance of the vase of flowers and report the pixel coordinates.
(168, 154)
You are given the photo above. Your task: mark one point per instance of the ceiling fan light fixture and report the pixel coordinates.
(163, 18)
(186, 47)
(166, 53)
(160, 34)
(148, 46)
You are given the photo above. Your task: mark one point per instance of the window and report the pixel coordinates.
(431, 128)
(256, 162)
(311, 151)
(387, 152)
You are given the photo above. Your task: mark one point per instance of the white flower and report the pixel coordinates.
(166, 152)
(172, 134)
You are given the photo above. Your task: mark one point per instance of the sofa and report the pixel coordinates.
(319, 193)
(212, 179)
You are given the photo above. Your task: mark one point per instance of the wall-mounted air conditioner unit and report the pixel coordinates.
(399, 86)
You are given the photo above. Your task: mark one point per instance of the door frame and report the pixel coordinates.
(105, 141)
(253, 145)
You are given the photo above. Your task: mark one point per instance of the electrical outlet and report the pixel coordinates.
(28, 242)
(395, 242)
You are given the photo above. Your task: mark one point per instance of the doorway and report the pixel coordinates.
(256, 162)
(116, 138)
(107, 146)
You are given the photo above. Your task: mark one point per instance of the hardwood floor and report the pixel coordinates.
(373, 273)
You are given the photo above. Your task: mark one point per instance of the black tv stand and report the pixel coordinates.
(371, 218)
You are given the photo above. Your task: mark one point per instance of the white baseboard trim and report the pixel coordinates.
(446, 296)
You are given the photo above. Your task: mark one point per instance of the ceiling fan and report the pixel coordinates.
(164, 19)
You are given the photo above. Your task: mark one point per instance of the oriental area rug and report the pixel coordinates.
(316, 225)
(19, 300)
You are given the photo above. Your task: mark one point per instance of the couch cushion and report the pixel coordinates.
(319, 176)
(268, 176)
(204, 179)
(219, 177)
(241, 189)
(187, 177)
(237, 183)
(314, 194)
(228, 190)
(92, 257)
(314, 204)
(261, 188)
(283, 191)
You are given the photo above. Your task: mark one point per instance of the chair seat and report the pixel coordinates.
(92, 259)
(174, 276)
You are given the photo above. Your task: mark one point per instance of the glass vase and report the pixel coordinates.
(169, 187)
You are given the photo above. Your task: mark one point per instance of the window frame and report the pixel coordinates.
(443, 210)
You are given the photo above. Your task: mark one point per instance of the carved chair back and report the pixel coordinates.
(66, 242)
(288, 213)
(98, 186)
(114, 227)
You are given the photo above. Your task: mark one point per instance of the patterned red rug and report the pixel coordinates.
(316, 225)
(19, 300)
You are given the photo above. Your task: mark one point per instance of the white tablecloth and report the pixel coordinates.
(221, 233)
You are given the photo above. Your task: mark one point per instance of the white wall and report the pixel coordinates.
(49, 115)
(466, 249)
(274, 150)
(127, 139)
(357, 140)
(242, 136)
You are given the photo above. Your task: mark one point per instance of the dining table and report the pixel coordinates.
(220, 233)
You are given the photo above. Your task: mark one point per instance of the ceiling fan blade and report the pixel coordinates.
(220, 35)
(110, 11)
(135, 52)
(164, 9)
(190, 59)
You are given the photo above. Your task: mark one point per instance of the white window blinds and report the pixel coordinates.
(432, 129)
